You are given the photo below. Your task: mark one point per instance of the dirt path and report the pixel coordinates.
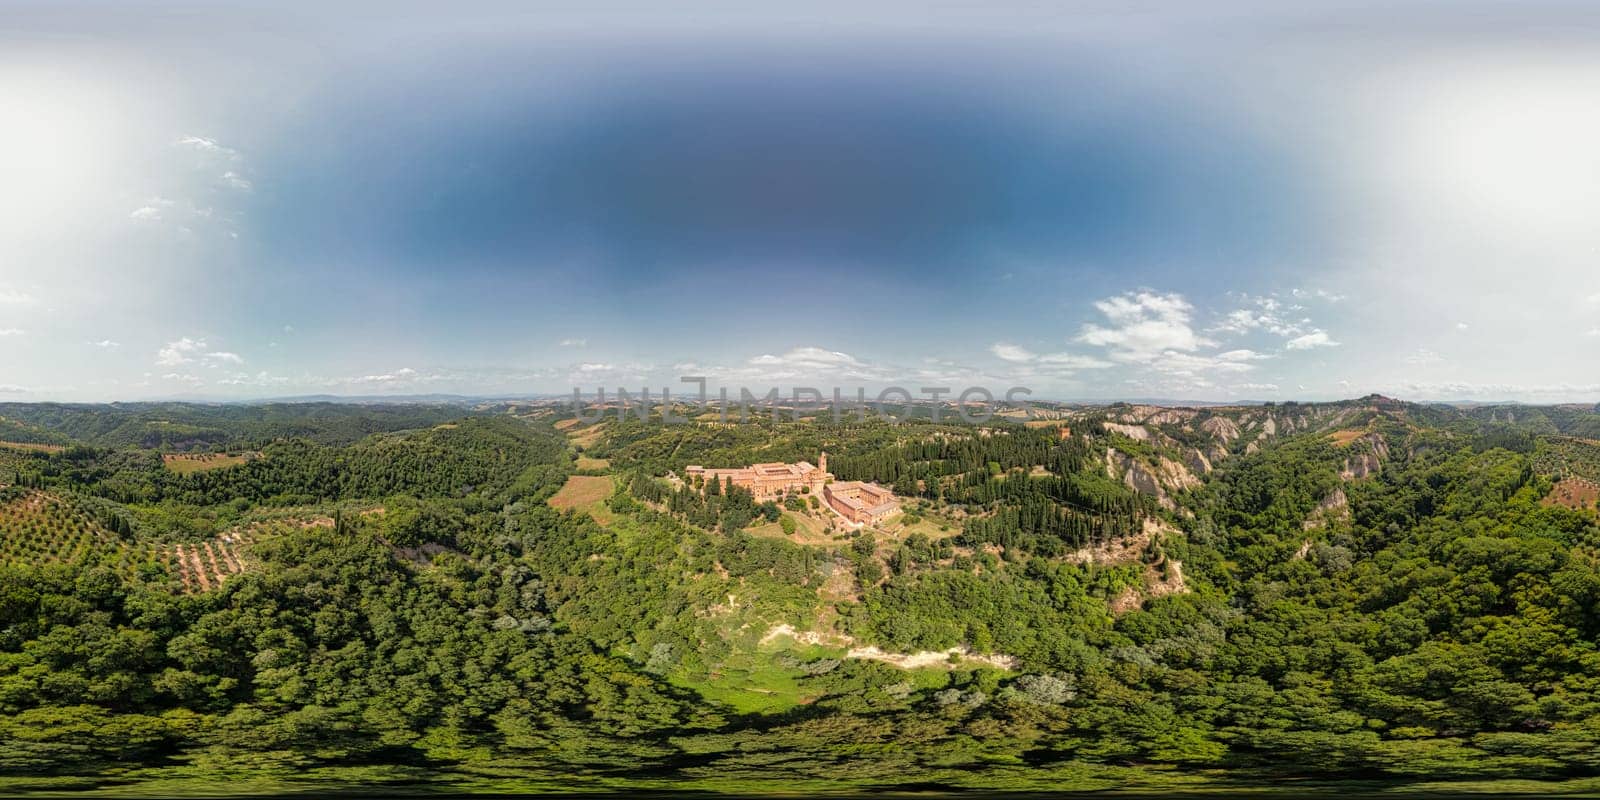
(925, 658)
(931, 658)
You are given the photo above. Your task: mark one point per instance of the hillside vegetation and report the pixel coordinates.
(1131, 597)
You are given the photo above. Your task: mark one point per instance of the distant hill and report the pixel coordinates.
(194, 426)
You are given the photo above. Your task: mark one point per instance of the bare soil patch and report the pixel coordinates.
(1342, 438)
(586, 493)
(1580, 493)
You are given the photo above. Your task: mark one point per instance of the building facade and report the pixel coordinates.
(866, 503)
(856, 501)
(770, 480)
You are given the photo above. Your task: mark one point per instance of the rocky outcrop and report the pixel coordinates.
(1162, 577)
(1170, 416)
(1137, 476)
(1173, 475)
(1124, 551)
(1196, 461)
(1333, 507)
(1222, 429)
(1368, 461)
(1138, 432)
(1154, 481)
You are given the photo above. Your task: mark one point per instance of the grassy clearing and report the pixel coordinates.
(931, 526)
(587, 463)
(753, 680)
(32, 447)
(186, 463)
(809, 528)
(586, 493)
(1342, 438)
(748, 683)
(583, 435)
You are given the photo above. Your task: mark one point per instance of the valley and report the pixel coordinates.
(498, 592)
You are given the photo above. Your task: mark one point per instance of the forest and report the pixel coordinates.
(1350, 596)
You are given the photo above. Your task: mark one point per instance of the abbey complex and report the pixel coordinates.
(856, 501)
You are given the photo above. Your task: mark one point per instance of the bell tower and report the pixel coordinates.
(822, 461)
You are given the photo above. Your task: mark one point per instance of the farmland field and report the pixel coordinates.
(42, 528)
(586, 493)
(1579, 493)
(32, 447)
(186, 463)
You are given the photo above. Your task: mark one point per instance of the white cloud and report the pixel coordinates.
(1267, 315)
(1073, 361)
(1241, 321)
(153, 210)
(8, 389)
(1144, 326)
(1015, 354)
(1010, 352)
(1154, 332)
(1594, 332)
(1317, 338)
(1320, 294)
(12, 331)
(1594, 298)
(235, 180)
(1461, 326)
(1546, 392)
(800, 361)
(402, 374)
(809, 363)
(180, 352)
(1424, 358)
(574, 343)
(189, 350)
(16, 297)
(1258, 387)
(262, 378)
(207, 145)
(1194, 366)
(106, 344)
(818, 356)
(1242, 356)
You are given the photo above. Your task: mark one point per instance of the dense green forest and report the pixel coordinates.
(1368, 594)
(188, 426)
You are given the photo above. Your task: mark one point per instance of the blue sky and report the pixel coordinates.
(1090, 200)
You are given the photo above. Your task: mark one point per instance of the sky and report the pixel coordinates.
(1096, 201)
